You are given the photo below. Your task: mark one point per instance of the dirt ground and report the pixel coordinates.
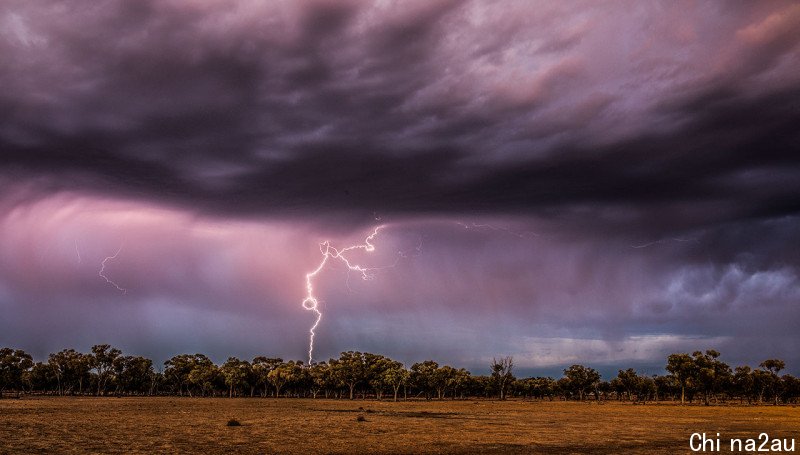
(191, 425)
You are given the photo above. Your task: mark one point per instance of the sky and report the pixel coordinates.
(602, 183)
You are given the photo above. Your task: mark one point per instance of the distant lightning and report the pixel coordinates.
(77, 252)
(311, 303)
(522, 235)
(656, 242)
(417, 251)
(103, 268)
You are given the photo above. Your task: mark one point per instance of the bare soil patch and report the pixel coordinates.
(289, 426)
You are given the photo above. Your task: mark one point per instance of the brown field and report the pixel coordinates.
(187, 425)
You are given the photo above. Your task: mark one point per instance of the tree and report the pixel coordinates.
(743, 383)
(682, 367)
(710, 372)
(69, 367)
(13, 364)
(581, 379)
(790, 386)
(630, 381)
(665, 386)
(563, 388)
(186, 370)
(423, 377)
(204, 375)
(40, 377)
(102, 361)
(178, 369)
(133, 374)
(459, 381)
(773, 366)
(262, 366)
(443, 379)
(762, 382)
(502, 374)
(280, 375)
(604, 388)
(396, 376)
(351, 369)
(320, 374)
(236, 372)
(646, 388)
(375, 367)
(298, 379)
(541, 387)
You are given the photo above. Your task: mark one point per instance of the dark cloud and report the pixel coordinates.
(272, 109)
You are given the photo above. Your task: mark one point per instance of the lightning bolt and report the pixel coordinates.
(103, 268)
(311, 303)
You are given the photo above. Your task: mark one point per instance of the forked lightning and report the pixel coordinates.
(311, 303)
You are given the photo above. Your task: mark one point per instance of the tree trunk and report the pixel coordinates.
(352, 386)
(683, 393)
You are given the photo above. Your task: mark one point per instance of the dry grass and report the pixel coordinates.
(148, 425)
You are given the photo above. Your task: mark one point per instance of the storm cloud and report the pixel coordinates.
(556, 179)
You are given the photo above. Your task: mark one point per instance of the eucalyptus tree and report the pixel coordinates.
(133, 374)
(280, 375)
(351, 369)
(743, 383)
(235, 373)
(320, 375)
(13, 364)
(710, 372)
(396, 376)
(262, 366)
(683, 368)
(582, 379)
(773, 366)
(502, 374)
(102, 361)
(630, 381)
(423, 377)
(69, 368)
(205, 376)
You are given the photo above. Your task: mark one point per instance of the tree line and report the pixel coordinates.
(700, 376)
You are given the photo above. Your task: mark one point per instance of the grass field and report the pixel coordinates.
(181, 425)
